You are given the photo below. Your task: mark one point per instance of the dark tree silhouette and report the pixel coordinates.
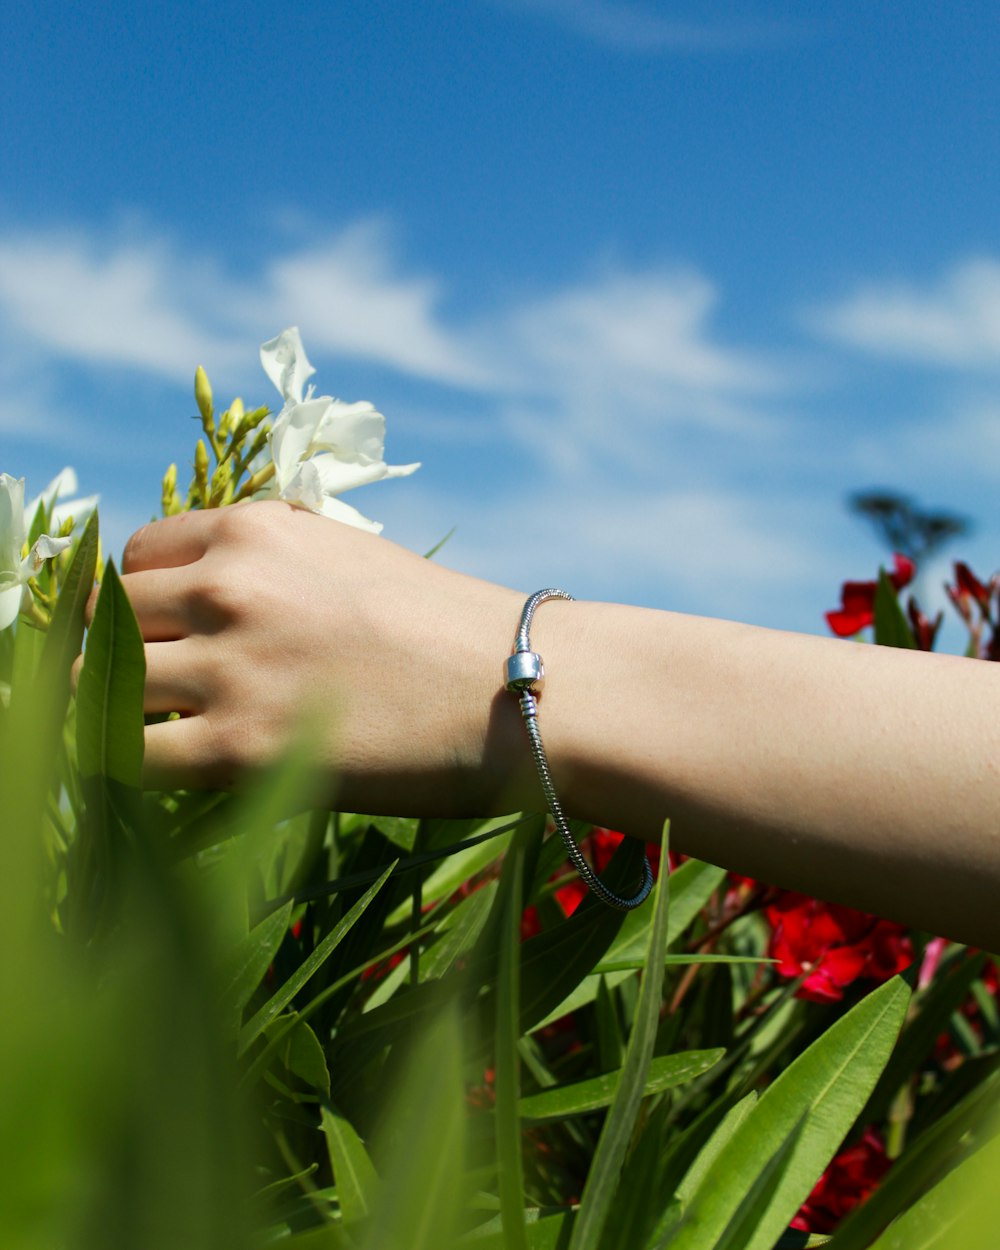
(904, 525)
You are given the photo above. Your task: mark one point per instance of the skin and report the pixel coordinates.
(859, 774)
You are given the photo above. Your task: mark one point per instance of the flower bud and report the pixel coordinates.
(254, 418)
(232, 419)
(171, 501)
(201, 469)
(221, 481)
(203, 397)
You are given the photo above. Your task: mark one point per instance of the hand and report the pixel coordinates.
(261, 618)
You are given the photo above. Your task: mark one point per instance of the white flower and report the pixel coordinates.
(16, 567)
(322, 447)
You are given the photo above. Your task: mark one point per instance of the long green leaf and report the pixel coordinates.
(605, 1170)
(936, 1151)
(828, 1084)
(891, 627)
(691, 886)
(65, 634)
(284, 995)
(423, 1188)
(353, 1171)
(959, 1213)
(248, 963)
(510, 1170)
(665, 1072)
(110, 690)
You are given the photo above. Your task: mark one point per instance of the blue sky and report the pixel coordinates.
(648, 288)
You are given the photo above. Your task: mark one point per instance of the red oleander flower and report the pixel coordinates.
(968, 585)
(857, 599)
(924, 629)
(833, 945)
(850, 1178)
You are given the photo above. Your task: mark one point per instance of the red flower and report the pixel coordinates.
(852, 1175)
(967, 584)
(857, 599)
(924, 629)
(834, 945)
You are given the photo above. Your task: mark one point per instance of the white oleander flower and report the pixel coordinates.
(17, 565)
(322, 447)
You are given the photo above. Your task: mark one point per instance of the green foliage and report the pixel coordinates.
(242, 1022)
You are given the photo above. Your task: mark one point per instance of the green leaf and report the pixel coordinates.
(423, 1188)
(665, 1072)
(247, 965)
(461, 928)
(110, 691)
(65, 634)
(755, 1203)
(691, 886)
(284, 995)
(510, 1171)
(934, 1006)
(891, 626)
(353, 1171)
(609, 1156)
(959, 1213)
(299, 1050)
(555, 962)
(935, 1152)
(544, 1231)
(828, 1084)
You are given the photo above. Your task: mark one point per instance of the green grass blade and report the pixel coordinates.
(110, 691)
(665, 1072)
(284, 995)
(602, 1180)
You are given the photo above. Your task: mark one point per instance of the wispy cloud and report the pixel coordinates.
(119, 304)
(635, 28)
(146, 304)
(954, 322)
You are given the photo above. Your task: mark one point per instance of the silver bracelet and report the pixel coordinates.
(525, 674)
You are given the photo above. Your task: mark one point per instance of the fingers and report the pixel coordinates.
(174, 541)
(162, 603)
(175, 681)
(173, 750)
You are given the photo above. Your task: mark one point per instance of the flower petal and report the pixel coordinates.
(304, 488)
(354, 432)
(286, 364)
(337, 510)
(12, 528)
(10, 603)
(44, 549)
(293, 434)
(338, 475)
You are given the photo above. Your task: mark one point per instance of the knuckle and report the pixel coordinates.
(134, 548)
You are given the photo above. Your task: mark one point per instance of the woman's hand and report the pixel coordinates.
(261, 620)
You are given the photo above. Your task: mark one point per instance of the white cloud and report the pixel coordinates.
(347, 296)
(146, 304)
(634, 28)
(68, 295)
(954, 323)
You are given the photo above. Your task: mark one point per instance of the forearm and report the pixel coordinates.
(860, 774)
